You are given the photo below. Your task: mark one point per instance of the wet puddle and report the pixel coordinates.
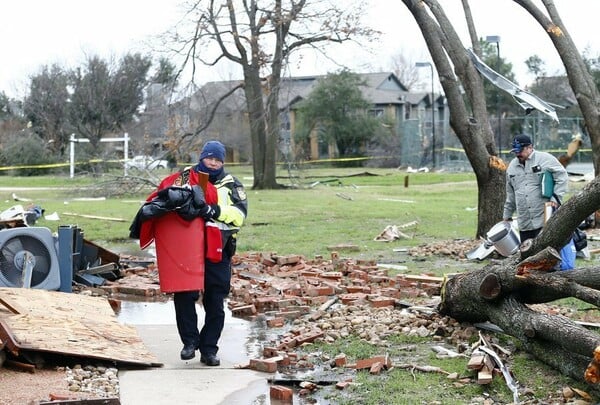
(253, 335)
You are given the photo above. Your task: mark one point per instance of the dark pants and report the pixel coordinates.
(524, 235)
(217, 281)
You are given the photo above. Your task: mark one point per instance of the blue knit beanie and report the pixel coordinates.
(213, 149)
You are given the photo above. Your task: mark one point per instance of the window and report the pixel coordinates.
(376, 112)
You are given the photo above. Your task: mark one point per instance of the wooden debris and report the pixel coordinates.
(424, 369)
(30, 368)
(72, 214)
(70, 324)
(344, 196)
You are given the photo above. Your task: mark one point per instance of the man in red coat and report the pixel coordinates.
(227, 215)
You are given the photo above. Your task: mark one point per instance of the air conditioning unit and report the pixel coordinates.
(28, 258)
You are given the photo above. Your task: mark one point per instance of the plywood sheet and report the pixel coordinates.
(70, 324)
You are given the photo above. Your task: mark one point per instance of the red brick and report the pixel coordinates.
(367, 363)
(287, 343)
(362, 275)
(340, 360)
(309, 337)
(376, 368)
(402, 281)
(267, 261)
(285, 303)
(291, 259)
(342, 384)
(317, 300)
(332, 275)
(265, 365)
(275, 322)
(268, 302)
(289, 314)
(270, 352)
(281, 393)
(244, 310)
(349, 298)
(299, 267)
(381, 302)
(319, 291)
(285, 362)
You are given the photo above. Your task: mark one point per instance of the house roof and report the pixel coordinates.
(381, 88)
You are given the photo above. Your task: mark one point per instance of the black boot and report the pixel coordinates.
(210, 359)
(188, 352)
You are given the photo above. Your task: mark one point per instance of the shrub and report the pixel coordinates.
(27, 154)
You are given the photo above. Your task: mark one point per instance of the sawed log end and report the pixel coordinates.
(592, 372)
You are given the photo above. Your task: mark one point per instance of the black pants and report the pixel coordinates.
(217, 281)
(524, 235)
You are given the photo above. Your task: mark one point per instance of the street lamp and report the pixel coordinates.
(425, 64)
(496, 39)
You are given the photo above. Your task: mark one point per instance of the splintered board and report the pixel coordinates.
(69, 324)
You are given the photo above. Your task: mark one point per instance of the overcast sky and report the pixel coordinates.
(42, 32)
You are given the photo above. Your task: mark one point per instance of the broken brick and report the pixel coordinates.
(376, 368)
(342, 384)
(287, 343)
(270, 352)
(275, 322)
(281, 393)
(291, 259)
(367, 363)
(244, 310)
(309, 337)
(349, 298)
(340, 360)
(265, 365)
(319, 291)
(381, 302)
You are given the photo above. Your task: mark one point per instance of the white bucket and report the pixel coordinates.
(504, 238)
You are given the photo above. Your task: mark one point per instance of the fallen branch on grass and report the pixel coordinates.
(72, 214)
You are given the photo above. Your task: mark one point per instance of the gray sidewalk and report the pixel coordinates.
(188, 382)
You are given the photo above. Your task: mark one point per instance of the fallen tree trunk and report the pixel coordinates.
(503, 292)
(496, 293)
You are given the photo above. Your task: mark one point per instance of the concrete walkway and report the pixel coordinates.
(188, 382)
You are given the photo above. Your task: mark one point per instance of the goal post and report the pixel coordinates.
(73, 141)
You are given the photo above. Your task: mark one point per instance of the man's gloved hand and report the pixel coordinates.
(198, 196)
(209, 212)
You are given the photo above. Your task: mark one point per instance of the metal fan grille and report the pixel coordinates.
(13, 260)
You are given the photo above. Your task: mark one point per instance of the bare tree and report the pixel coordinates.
(260, 37)
(580, 78)
(502, 291)
(404, 68)
(468, 109)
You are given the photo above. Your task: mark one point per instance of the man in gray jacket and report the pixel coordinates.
(524, 186)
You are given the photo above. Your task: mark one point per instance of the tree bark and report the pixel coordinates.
(243, 32)
(580, 79)
(468, 112)
(502, 292)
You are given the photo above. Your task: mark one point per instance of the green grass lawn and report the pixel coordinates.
(320, 209)
(324, 208)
